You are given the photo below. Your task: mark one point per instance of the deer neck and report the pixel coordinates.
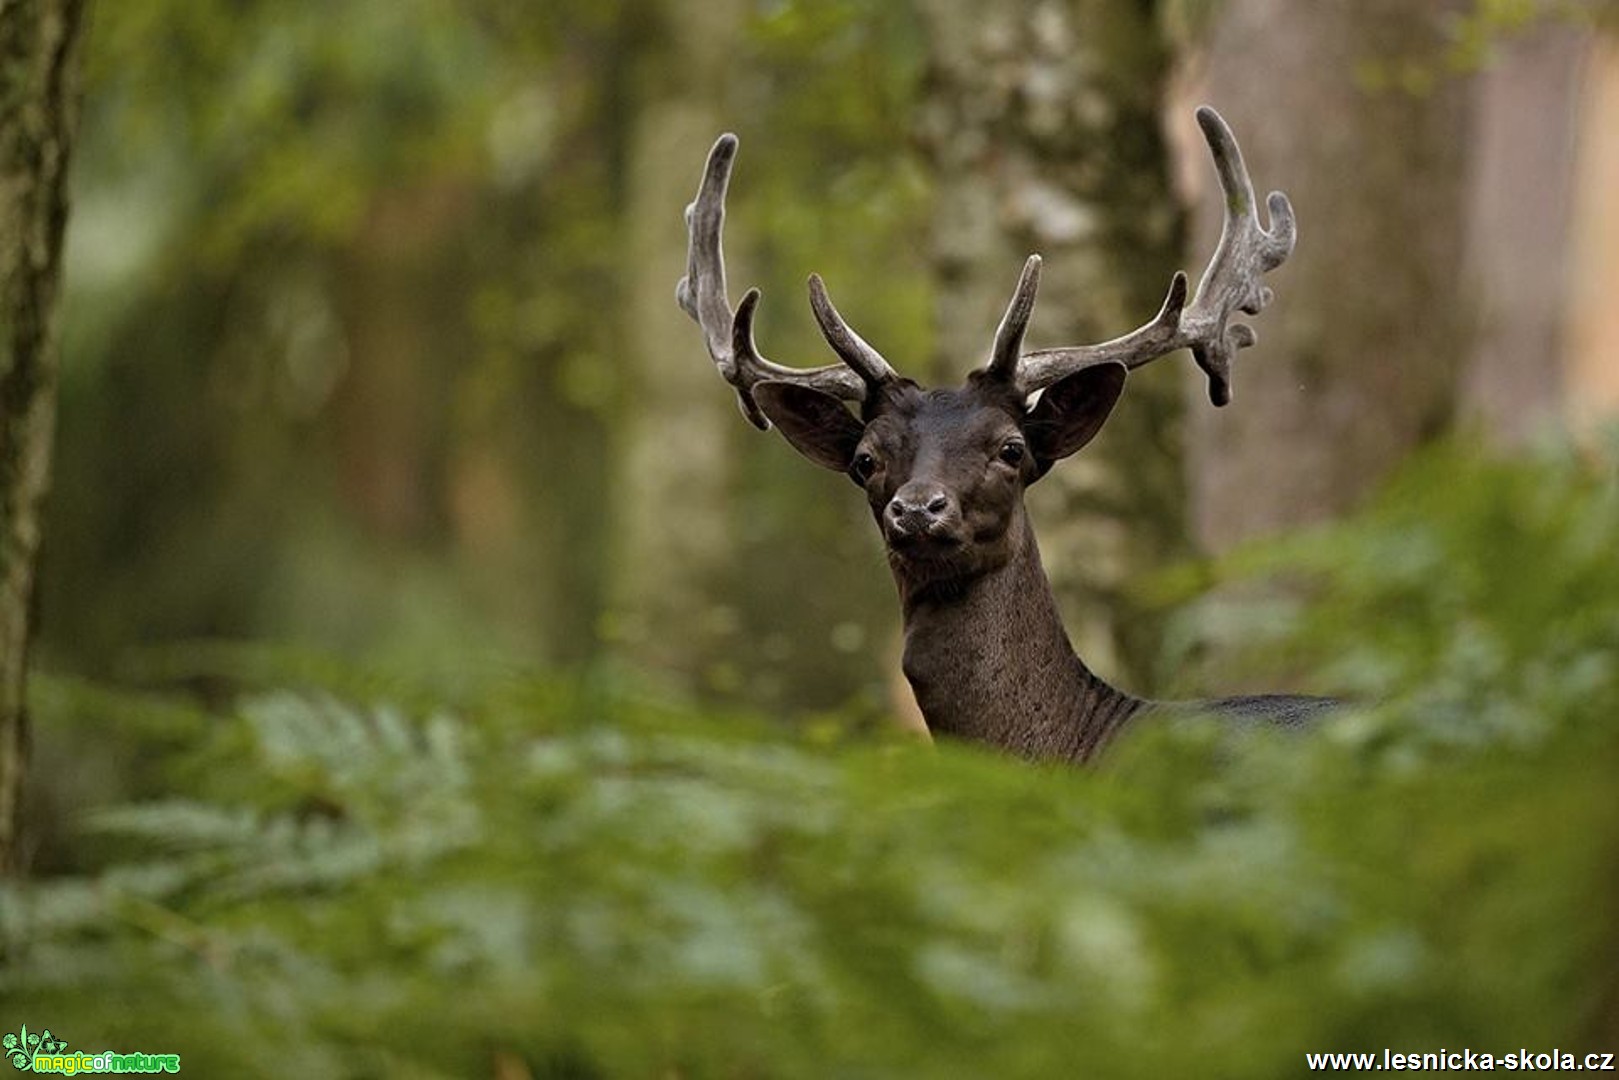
(989, 660)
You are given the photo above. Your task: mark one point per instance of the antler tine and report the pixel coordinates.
(701, 293)
(1003, 358)
(1246, 250)
(1230, 283)
(1039, 369)
(864, 359)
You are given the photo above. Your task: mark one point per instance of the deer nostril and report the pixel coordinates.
(918, 507)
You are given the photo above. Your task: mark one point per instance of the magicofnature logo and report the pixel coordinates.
(42, 1052)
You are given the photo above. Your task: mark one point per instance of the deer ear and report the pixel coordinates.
(816, 423)
(1071, 412)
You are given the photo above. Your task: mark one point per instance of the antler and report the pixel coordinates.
(1231, 283)
(701, 294)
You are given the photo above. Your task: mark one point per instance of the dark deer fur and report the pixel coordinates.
(944, 470)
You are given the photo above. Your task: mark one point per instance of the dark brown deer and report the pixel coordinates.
(945, 470)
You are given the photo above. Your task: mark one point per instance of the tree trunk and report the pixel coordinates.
(1523, 147)
(1348, 108)
(673, 532)
(1590, 375)
(1042, 123)
(38, 108)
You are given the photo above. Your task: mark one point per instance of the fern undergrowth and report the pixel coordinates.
(326, 873)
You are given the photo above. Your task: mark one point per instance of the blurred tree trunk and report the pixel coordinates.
(1592, 378)
(388, 410)
(1042, 123)
(1347, 107)
(1523, 148)
(673, 533)
(38, 108)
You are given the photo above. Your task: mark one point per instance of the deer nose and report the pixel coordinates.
(917, 507)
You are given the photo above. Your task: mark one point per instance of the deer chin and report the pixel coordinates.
(926, 561)
(939, 541)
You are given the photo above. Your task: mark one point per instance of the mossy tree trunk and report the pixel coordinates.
(1042, 124)
(38, 108)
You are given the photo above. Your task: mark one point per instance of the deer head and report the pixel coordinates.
(944, 470)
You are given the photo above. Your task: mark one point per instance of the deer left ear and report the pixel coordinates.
(816, 423)
(1071, 411)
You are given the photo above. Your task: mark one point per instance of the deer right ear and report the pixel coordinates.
(816, 423)
(1071, 411)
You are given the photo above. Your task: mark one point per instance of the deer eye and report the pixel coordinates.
(1012, 452)
(862, 467)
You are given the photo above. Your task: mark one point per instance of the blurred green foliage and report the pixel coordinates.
(406, 873)
(1475, 36)
(347, 349)
(1479, 589)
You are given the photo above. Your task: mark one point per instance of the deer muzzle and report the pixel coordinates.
(921, 514)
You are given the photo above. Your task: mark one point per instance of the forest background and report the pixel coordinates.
(384, 461)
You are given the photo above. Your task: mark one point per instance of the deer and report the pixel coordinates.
(944, 470)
